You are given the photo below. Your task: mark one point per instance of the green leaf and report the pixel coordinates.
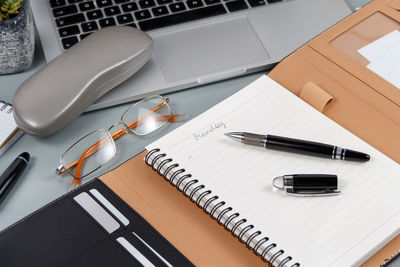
(9, 7)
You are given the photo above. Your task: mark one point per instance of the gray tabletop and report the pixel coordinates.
(39, 184)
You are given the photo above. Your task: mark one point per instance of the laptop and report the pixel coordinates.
(195, 41)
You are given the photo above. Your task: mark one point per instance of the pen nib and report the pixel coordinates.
(235, 135)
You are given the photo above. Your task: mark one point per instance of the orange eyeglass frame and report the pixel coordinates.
(98, 145)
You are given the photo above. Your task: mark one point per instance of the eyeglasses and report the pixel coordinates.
(95, 149)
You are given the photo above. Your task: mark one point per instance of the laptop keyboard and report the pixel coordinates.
(76, 19)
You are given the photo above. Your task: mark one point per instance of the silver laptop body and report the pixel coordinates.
(210, 49)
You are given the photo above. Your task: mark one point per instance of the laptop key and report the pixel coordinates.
(83, 36)
(103, 3)
(146, 3)
(187, 16)
(255, 3)
(163, 2)
(107, 22)
(86, 6)
(194, 3)
(74, 1)
(67, 31)
(129, 7)
(68, 20)
(236, 5)
(210, 2)
(95, 14)
(111, 11)
(65, 10)
(125, 18)
(161, 10)
(143, 14)
(69, 41)
(176, 7)
(89, 26)
(57, 3)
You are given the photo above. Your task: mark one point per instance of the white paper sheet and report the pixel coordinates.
(388, 65)
(376, 49)
(384, 57)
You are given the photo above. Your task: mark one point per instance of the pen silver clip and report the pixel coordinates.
(322, 193)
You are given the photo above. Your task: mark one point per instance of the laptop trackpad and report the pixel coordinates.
(208, 49)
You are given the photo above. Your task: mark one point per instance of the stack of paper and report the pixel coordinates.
(384, 57)
(9, 132)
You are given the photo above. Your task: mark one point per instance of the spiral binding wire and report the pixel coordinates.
(4, 105)
(158, 161)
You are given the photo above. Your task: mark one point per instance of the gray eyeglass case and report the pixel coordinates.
(64, 88)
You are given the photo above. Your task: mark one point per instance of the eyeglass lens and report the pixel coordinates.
(147, 116)
(97, 148)
(89, 153)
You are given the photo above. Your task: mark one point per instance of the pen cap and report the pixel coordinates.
(9, 177)
(25, 156)
(313, 181)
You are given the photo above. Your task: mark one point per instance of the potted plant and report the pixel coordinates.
(17, 36)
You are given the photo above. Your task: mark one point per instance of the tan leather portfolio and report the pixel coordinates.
(361, 101)
(330, 75)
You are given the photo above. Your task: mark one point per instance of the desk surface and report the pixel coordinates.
(40, 185)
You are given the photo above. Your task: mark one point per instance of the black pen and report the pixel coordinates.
(299, 146)
(12, 173)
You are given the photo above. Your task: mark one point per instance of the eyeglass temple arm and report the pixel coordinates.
(91, 150)
(98, 145)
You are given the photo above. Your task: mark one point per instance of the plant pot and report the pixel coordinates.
(17, 41)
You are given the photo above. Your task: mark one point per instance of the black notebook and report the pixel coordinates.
(90, 226)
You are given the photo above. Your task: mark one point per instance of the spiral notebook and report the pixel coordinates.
(233, 182)
(9, 132)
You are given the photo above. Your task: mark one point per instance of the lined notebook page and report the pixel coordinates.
(319, 231)
(7, 127)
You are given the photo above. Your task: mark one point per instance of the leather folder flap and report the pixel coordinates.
(394, 4)
(341, 42)
(186, 226)
(316, 96)
(364, 103)
(384, 255)
(357, 107)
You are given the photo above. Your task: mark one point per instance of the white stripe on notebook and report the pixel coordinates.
(155, 252)
(97, 212)
(109, 206)
(134, 252)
